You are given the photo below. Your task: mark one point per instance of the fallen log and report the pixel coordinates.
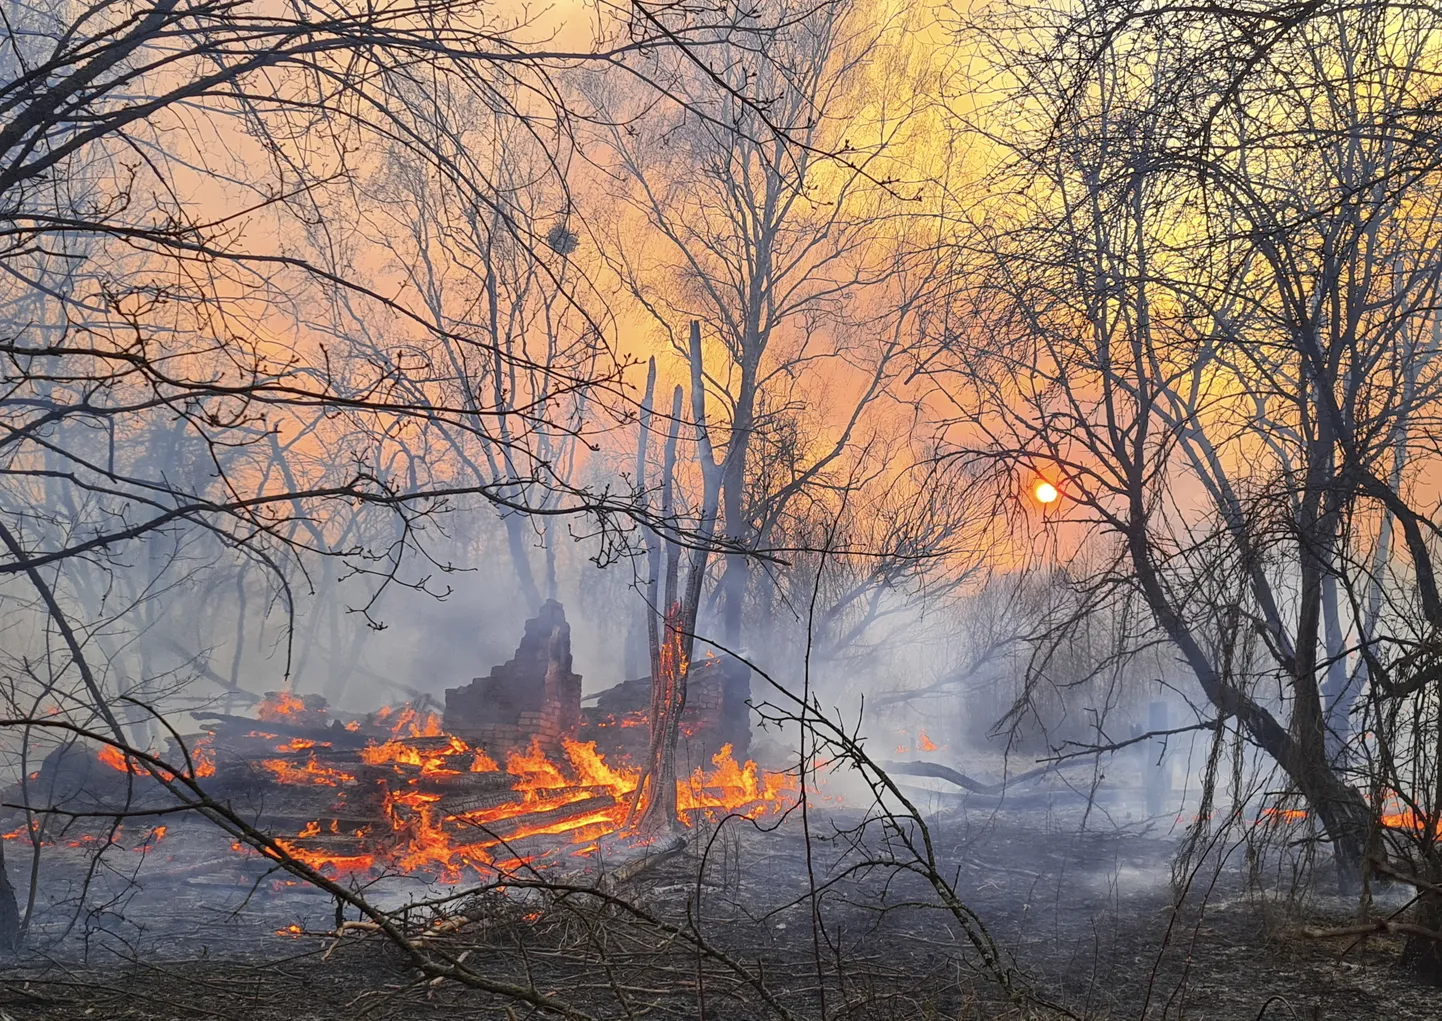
(634, 867)
(480, 801)
(243, 726)
(940, 772)
(467, 803)
(518, 826)
(464, 784)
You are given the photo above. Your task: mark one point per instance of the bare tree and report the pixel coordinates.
(793, 256)
(1205, 315)
(181, 193)
(670, 612)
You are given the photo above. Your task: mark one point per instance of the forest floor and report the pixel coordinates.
(1087, 918)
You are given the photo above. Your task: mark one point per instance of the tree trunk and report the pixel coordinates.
(1343, 811)
(1422, 957)
(9, 914)
(655, 810)
(516, 540)
(735, 580)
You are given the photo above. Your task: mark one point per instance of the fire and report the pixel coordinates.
(925, 742)
(732, 786)
(324, 862)
(300, 744)
(434, 761)
(23, 830)
(278, 705)
(411, 723)
(533, 770)
(311, 773)
(594, 772)
(564, 800)
(1392, 817)
(154, 837)
(1410, 821)
(1284, 814)
(201, 760)
(118, 760)
(424, 836)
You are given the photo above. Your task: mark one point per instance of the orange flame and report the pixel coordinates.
(278, 705)
(1284, 814)
(925, 742)
(423, 836)
(327, 863)
(300, 744)
(432, 761)
(118, 760)
(732, 786)
(201, 760)
(411, 723)
(311, 773)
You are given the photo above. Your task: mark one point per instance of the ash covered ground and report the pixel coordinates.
(1088, 921)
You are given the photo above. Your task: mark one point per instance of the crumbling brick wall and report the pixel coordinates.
(534, 694)
(716, 714)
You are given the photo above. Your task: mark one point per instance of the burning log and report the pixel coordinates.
(238, 727)
(551, 820)
(654, 807)
(395, 791)
(469, 804)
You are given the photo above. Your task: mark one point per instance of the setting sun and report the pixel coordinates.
(1045, 492)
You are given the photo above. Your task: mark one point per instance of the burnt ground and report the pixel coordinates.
(1087, 918)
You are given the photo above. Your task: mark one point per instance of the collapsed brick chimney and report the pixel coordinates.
(534, 694)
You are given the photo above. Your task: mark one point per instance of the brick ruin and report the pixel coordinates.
(533, 694)
(715, 715)
(536, 693)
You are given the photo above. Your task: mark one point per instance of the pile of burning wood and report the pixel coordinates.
(407, 789)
